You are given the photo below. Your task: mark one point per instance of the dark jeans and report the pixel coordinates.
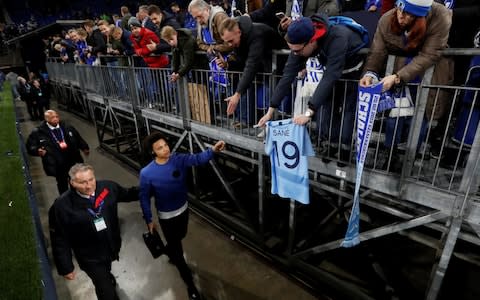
(174, 230)
(103, 280)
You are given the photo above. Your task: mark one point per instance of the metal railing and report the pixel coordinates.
(436, 190)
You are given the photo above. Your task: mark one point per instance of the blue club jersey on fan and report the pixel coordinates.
(288, 146)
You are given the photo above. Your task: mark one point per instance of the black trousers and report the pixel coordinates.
(102, 279)
(174, 230)
(62, 182)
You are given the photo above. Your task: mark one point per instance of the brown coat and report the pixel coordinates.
(385, 42)
(217, 15)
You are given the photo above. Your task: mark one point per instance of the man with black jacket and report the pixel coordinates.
(95, 38)
(183, 50)
(24, 89)
(252, 45)
(85, 220)
(161, 19)
(59, 145)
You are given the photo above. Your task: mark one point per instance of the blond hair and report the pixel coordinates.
(168, 32)
(228, 24)
(82, 32)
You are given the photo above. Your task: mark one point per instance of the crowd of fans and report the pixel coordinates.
(416, 30)
(244, 44)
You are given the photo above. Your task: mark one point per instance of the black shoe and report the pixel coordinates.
(193, 293)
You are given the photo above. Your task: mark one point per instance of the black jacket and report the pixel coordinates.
(183, 56)
(72, 227)
(39, 96)
(25, 92)
(97, 42)
(335, 52)
(266, 14)
(149, 24)
(56, 161)
(254, 54)
(167, 20)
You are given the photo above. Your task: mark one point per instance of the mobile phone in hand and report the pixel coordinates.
(217, 54)
(280, 15)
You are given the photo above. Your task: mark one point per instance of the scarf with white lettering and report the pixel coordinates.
(368, 98)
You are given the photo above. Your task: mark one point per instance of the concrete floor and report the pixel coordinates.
(223, 268)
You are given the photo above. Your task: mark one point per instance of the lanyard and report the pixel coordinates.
(98, 205)
(55, 137)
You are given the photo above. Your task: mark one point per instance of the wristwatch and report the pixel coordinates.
(309, 113)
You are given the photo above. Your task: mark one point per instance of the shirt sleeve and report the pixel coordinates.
(197, 159)
(144, 195)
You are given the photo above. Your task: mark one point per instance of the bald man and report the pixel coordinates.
(59, 145)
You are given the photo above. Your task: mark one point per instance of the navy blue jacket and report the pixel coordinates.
(127, 43)
(334, 52)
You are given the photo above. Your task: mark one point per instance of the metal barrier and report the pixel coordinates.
(407, 183)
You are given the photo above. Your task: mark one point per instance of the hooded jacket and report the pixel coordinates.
(217, 15)
(335, 50)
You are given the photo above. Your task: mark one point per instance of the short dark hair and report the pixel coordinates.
(124, 9)
(152, 139)
(88, 23)
(154, 9)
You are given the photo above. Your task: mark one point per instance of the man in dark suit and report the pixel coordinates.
(59, 145)
(85, 220)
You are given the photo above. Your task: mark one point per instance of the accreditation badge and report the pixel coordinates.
(100, 224)
(63, 145)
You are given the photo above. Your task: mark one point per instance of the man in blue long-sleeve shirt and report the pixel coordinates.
(164, 179)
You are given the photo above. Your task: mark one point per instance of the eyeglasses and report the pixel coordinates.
(298, 51)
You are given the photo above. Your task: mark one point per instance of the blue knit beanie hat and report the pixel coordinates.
(419, 8)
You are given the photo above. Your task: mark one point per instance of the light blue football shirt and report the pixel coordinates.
(288, 146)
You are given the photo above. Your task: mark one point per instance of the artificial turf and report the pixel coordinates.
(19, 263)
